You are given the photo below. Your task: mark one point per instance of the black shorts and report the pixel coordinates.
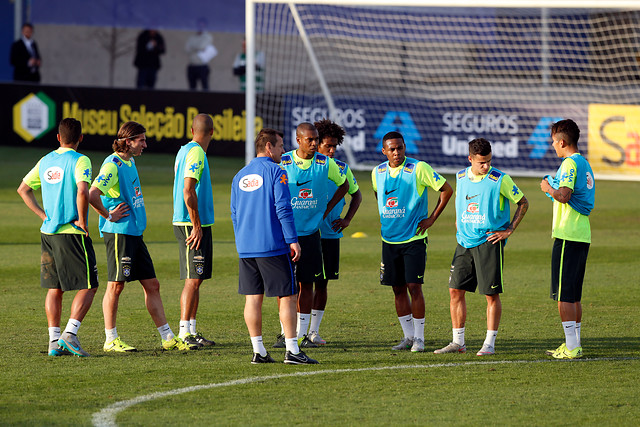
(128, 258)
(194, 264)
(331, 258)
(67, 262)
(309, 266)
(568, 264)
(479, 267)
(403, 263)
(272, 276)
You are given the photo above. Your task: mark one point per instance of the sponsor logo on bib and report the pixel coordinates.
(305, 193)
(54, 175)
(392, 202)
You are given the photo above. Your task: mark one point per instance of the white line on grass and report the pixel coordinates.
(107, 416)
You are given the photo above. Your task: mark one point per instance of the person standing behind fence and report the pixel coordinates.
(149, 47)
(240, 68)
(25, 57)
(201, 50)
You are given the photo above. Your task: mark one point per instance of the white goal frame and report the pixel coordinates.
(250, 22)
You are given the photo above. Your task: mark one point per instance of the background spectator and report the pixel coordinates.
(201, 50)
(240, 68)
(149, 47)
(25, 57)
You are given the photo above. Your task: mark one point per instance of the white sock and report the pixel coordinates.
(165, 332)
(316, 318)
(72, 326)
(303, 324)
(570, 337)
(578, 327)
(490, 340)
(281, 329)
(54, 333)
(291, 345)
(258, 346)
(407, 325)
(111, 334)
(418, 328)
(458, 336)
(192, 327)
(184, 329)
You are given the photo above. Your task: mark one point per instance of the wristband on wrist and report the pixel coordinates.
(109, 217)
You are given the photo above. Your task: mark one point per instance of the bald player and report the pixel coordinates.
(192, 221)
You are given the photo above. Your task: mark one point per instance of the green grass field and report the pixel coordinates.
(360, 379)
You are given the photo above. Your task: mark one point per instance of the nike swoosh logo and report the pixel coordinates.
(386, 193)
(420, 277)
(471, 197)
(302, 183)
(494, 286)
(318, 275)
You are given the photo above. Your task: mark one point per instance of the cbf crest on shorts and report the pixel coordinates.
(198, 263)
(126, 266)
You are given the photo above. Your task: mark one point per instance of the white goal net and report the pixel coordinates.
(444, 75)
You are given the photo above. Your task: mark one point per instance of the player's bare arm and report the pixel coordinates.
(82, 204)
(113, 215)
(191, 201)
(521, 210)
(337, 196)
(445, 194)
(342, 223)
(562, 194)
(29, 199)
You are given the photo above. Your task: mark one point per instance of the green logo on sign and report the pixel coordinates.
(33, 116)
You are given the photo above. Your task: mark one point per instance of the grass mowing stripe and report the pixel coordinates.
(107, 416)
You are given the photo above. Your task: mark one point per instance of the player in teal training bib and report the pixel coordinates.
(400, 186)
(483, 225)
(68, 261)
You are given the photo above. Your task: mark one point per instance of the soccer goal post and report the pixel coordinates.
(445, 72)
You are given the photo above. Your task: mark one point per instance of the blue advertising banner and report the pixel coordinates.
(438, 131)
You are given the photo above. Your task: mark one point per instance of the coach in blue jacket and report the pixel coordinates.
(267, 243)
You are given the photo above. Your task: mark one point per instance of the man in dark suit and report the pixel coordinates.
(25, 57)
(149, 47)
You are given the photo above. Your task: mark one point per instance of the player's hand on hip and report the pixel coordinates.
(424, 225)
(496, 236)
(340, 224)
(81, 226)
(120, 211)
(194, 239)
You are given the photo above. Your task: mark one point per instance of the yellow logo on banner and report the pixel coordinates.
(614, 139)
